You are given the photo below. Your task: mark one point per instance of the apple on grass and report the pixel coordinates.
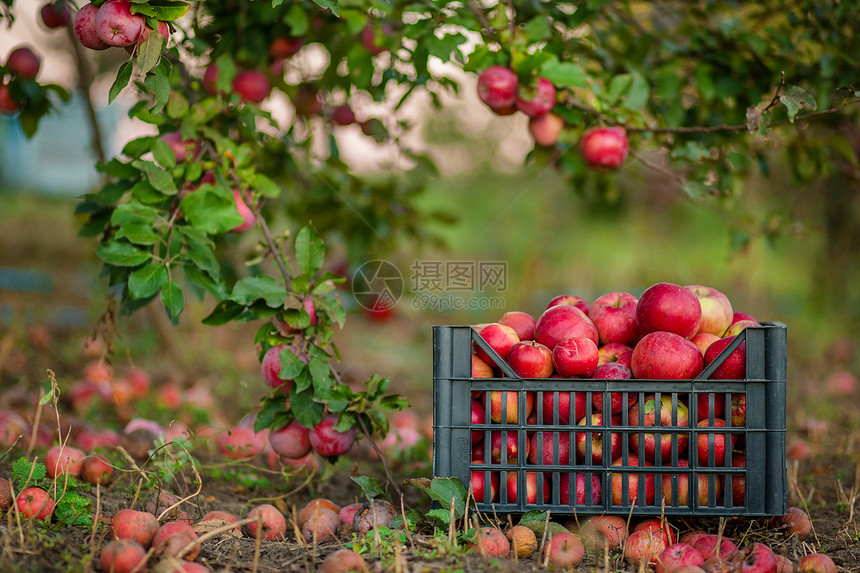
(564, 551)
(139, 526)
(530, 359)
(659, 527)
(816, 563)
(604, 532)
(670, 308)
(123, 556)
(491, 542)
(676, 556)
(35, 503)
(645, 415)
(62, 460)
(643, 548)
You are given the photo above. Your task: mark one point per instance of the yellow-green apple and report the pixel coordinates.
(614, 352)
(116, 25)
(734, 366)
(531, 487)
(497, 88)
(481, 369)
(500, 338)
(569, 300)
(703, 340)
(532, 360)
(478, 417)
(614, 316)
(643, 548)
(35, 503)
(613, 371)
(718, 446)
(617, 481)
(739, 410)
(578, 487)
(575, 357)
(816, 563)
(649, 419)
(522, 322)
(738, 326)
(561, 323)
(683, 497)
(564, 413)
(565, 453)
(84, 27)
(541, 98)
(670, 308)
(564, 551)
(56, 14)
(23, 63)
(596, 441)
(704, 409)
(327, 441)
(252, 86)
(666, 356)
(717, 310)
(546, 128)
(479, 486)
(605, 148)
(506, 453)
(604, 532)
(676, 556)
(511, 399)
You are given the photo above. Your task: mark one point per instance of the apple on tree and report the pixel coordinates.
(605, 148)
(497, 88)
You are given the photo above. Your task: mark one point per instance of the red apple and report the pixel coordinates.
(270, 367)
(578, 488)
(478, 417)
(666, 356)
(210, 79)
(565, 453)
(569, 300)
(252, 86)
(739, 410)
(56, 14)
(35, 503)
(500, 338)
(649, 417)
(123, 556)
(703, 408)
(605, 147)
(327, 441)
(564, 414)
(531, 487)
(658, 527)
(5, 495)
(596, 441)
(481, 369)
(713, 442)
(511, 399)
(670, 308)
(144, 36)
(614, 352)
(479, 486)
(738, 326)
(738, 480)
(564, 551)
(116, 25)
(561, 323)
(343, 115)
(604, 532)
(541, 98)
(271, 523)
(711, 545)
(546, 128)
(575, 357)
(96, 469)
(368, 37)
(182, 149)
(618, 489)
(491, 542)
(734, 366)
(84, 27)
(614, 316)
(643, 548)
(816, 563)
(240, 442)
(292, 441)
(532, 360)
(284, 48)
(676, 556)
(522, 322)
(795, 523)
(7, 104)
(703, 340)
(139, 526)
(717, 311)
(506, 454)
(683, 497)
(247, 214)
(738, 316)
(62, 460)
(497, 88)
(307, 100)
(757, 558)
(23, 63)
(613, 371)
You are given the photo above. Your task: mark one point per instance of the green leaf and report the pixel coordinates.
(445, 491)
(307, 412)
(795, 99)
(177, 105)
(211, 209)
(147, 280)
(563, 74)
(167, 10)
(160, 179)
(265, 287)
(122, 254)
(533, 516)
(617, 87)
(638, 94)
(163, 154)
(443, 515)
(274, 408)
(297, 20)
(291, 364)
(173, 300)
(330, 5)
(370, 487)
(123, 76)
(140, 146)
(25, 472)
(310, 250)
(150, 52)
(265, 186)
(224, 312)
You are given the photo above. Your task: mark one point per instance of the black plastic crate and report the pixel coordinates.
(581, 482)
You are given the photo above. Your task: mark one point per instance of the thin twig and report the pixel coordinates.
(382, 457)
(775, 99)
(482, 18)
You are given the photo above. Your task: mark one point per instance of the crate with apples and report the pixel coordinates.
(668, 403)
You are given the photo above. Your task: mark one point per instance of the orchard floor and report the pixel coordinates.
(63, 549)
